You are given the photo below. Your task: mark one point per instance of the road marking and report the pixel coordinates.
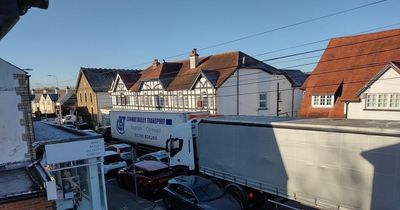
(159, 200)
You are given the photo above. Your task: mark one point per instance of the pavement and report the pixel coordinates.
(121, 199)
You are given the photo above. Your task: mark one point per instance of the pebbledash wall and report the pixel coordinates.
(15, 121)
(40, 203)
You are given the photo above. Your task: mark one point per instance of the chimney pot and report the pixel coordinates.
(155, 63)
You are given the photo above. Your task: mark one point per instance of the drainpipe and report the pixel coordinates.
(292, 101)
(347, 109)
(237, 92)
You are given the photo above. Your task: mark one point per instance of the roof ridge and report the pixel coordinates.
(365, 34)
(205, 56)
(108, 69)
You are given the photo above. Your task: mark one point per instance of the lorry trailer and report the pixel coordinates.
(322, 163)
(147, 129)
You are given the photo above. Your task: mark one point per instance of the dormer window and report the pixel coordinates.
(323, 101)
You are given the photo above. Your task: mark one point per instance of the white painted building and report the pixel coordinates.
(16, 134)
(380, 97)
(228, 83)
(47, 103)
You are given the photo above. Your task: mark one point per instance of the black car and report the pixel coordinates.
(195, 192)
(106, 132)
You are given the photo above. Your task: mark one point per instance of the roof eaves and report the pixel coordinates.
(377, 76)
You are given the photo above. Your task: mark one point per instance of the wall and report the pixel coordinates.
(40, 203)
(16, 133)
(152, 96)
(387, 83)
(252, 82)
(103, 101)
(83, 99)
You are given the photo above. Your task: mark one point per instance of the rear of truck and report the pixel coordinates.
(324, 164)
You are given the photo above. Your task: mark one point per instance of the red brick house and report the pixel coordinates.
(345, 68)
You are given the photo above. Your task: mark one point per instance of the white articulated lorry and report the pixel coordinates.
(147, 130)
(321, 163)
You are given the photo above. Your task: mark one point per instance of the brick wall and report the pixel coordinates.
(40, 203)
(25, 106)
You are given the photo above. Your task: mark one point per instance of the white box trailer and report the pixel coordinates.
(324, 163)
(150, 128)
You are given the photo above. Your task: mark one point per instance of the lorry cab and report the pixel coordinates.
(181, 146)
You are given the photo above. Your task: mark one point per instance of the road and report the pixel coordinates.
(121, 199)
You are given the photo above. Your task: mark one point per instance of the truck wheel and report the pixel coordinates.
(237, 194)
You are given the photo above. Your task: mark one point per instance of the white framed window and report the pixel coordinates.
(323, 101)
(180, 99)
(382, 101)
(262, 104)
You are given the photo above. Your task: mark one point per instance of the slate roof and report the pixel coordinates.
(296, 77)
(129, 77)
(53, 96)
(178, 75)
(353, 61)
(99, 79)
(66, 96)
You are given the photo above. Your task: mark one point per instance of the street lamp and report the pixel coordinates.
(58, 105)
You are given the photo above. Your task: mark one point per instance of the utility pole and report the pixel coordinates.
(58, 105)
(277, 99)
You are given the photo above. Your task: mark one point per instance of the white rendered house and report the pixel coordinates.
(380, 97)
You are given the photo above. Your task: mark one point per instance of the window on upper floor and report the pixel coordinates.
(323, 101)
(91, 99)
(117, 100)
(202, 100)
(159, 100)
(80, 96)
(262, 102)
(383, 101)
(85, 97)
(180, 99)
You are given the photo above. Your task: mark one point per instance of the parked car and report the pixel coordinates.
(152, 177)
(161, 156)
(113, 162)
(68, 119)
(106, 132)
(195, 192)
(82, 126)
(125, 150)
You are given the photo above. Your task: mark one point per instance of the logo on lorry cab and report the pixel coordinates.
(121, 124)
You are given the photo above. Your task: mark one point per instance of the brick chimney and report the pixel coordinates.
(194, 59)
(155, 63)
